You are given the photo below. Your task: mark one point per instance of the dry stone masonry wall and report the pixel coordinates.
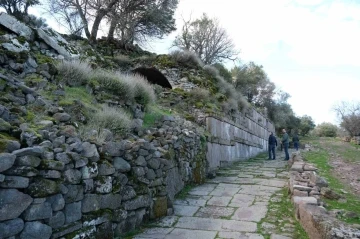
(306, 186)
(66, 187)
(238, 139)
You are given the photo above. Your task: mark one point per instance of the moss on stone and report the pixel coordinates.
(43, 59)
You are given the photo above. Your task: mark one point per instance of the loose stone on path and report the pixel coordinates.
(232, 205)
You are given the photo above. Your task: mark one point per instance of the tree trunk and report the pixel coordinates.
(101, 13)
(84, 21)
(112, 29)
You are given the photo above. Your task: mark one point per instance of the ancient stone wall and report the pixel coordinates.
(244, 136)
(63, 187)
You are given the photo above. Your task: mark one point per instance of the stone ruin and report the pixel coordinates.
(305, 187)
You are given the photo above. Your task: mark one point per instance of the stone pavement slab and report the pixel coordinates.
(219, 201)
(181, 210)
(215, 212)
(178, 233)
(241, 200)
(252, 213)
(155, 233)
(230, 205)
(240, 235)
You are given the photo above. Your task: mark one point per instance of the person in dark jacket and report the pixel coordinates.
(285, 143)
(272, 145)
(296, 142)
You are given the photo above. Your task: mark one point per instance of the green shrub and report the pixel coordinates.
(74, 73)
(326, 130)
(186, 58)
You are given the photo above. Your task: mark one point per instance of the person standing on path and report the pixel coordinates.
(296, 142)
(285, 143)
(272, 145)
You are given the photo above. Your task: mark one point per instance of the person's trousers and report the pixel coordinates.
(272, 150)
(296, 145)
(286, 149)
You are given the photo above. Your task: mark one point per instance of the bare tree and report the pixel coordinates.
(18, 8)
(349, 114)
(208, 39)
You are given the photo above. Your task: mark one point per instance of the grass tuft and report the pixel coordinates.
(74, 73)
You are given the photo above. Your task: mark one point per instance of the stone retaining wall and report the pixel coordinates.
(306, 186)
(238, 139)
(63, 187)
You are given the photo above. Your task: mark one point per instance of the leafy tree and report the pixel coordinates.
(86, 10)
(207, 39)
(18, 8)
(252, 81)
(326, 130)
(132, 20)
(349, 114)
(139, 19)
(306, 124)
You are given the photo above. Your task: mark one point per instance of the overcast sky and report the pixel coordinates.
(309, 48)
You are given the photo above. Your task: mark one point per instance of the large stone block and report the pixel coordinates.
(32, 151)
(106, 169)
(11, 227)
(15, 182)
(121, 165)
(111, 201)
(58, 43)
(6, 160)
(13, 203)
(90, 203)
(139, 202)
(57, 220)
(41, 187)
(38, 211)
(14, 25)
(72, 176)
(75, 193)
(31, 161)
(90, 151)
(57, 202)
(72, 212)
(174, 183)
(36, 230)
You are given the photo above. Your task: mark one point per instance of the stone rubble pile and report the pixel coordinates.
(306, 188)
(46, 40)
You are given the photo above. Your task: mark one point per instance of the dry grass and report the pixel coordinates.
(143, 92)
(113, 119)
(186, 58)
(235, 100)
(74, 73)
(199, 95)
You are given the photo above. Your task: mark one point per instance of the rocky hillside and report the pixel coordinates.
(88, 149)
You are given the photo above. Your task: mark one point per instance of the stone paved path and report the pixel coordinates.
(235, 204)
